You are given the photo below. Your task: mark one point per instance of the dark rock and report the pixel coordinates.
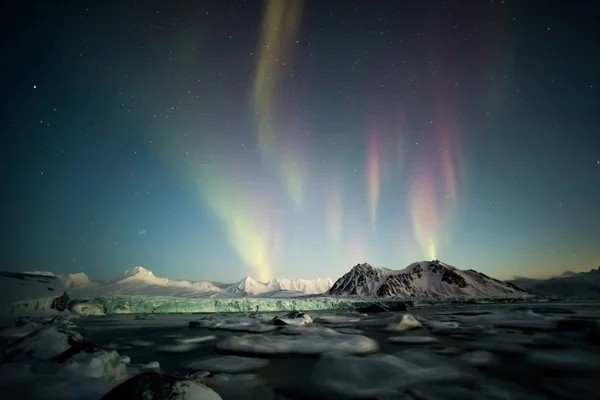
(151, 385)
(61, 303)
(77, 348)
(50, 289)
(195, 324)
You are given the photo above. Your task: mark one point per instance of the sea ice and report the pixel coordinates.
(155, 385)
(177, 348)
(244, 326)
(299, 344)
(413, 339)
(336, 319)
(480, 358)
(406, 322)
(44, 343)
(195, 339)
(151, 366)
(293, 318)
(226, 364)
(100, 365)
(442, 326)
(307, 330)
(379, 375)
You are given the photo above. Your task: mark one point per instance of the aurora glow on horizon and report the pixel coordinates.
(298, 138)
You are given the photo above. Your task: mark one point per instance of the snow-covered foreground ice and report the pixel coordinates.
(456, 353)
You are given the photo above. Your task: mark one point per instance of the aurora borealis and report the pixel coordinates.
(209, 140)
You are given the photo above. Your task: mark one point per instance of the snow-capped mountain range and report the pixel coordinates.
(300, 286)
(420, 280)
(425, 279)
(140, 281)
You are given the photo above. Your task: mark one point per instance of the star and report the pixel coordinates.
(35, 86)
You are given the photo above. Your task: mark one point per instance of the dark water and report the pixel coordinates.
(493, 326)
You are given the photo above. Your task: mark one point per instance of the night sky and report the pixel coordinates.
(213, 140)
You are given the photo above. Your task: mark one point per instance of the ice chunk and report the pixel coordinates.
(300, 344)
(360, 377)
(152, 365)
(44, 343)
(480, 358)
(336, 319)
(101, 365)
(155, 385)
(307, 330)
(293, 318)
(177, 348)
(349, 331)
(406, 322)
(413, 339)
(244, 326)
(443, 327)
(378, 375)
(371, 322)
(196, 339)
(226, 364)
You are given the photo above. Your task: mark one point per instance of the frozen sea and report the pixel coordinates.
(514, 351)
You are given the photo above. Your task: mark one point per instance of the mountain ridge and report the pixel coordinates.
(424, 279)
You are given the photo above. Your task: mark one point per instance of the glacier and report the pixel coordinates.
(154, 304)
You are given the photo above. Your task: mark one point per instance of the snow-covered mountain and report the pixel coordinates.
(140, 281)
(425, 279)
(16, 286)
(77, 279)
(249, 286)
(569, 284)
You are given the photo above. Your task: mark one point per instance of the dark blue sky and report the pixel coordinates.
(208, 140)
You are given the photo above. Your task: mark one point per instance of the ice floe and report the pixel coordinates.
(157, 386)
(195, 339)
(44, 343)
(226, 364)
(480, 358)
(293, 318)
(380, 375)
(407, 322)
(177, 348)
(298, 344)
(413, 339)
